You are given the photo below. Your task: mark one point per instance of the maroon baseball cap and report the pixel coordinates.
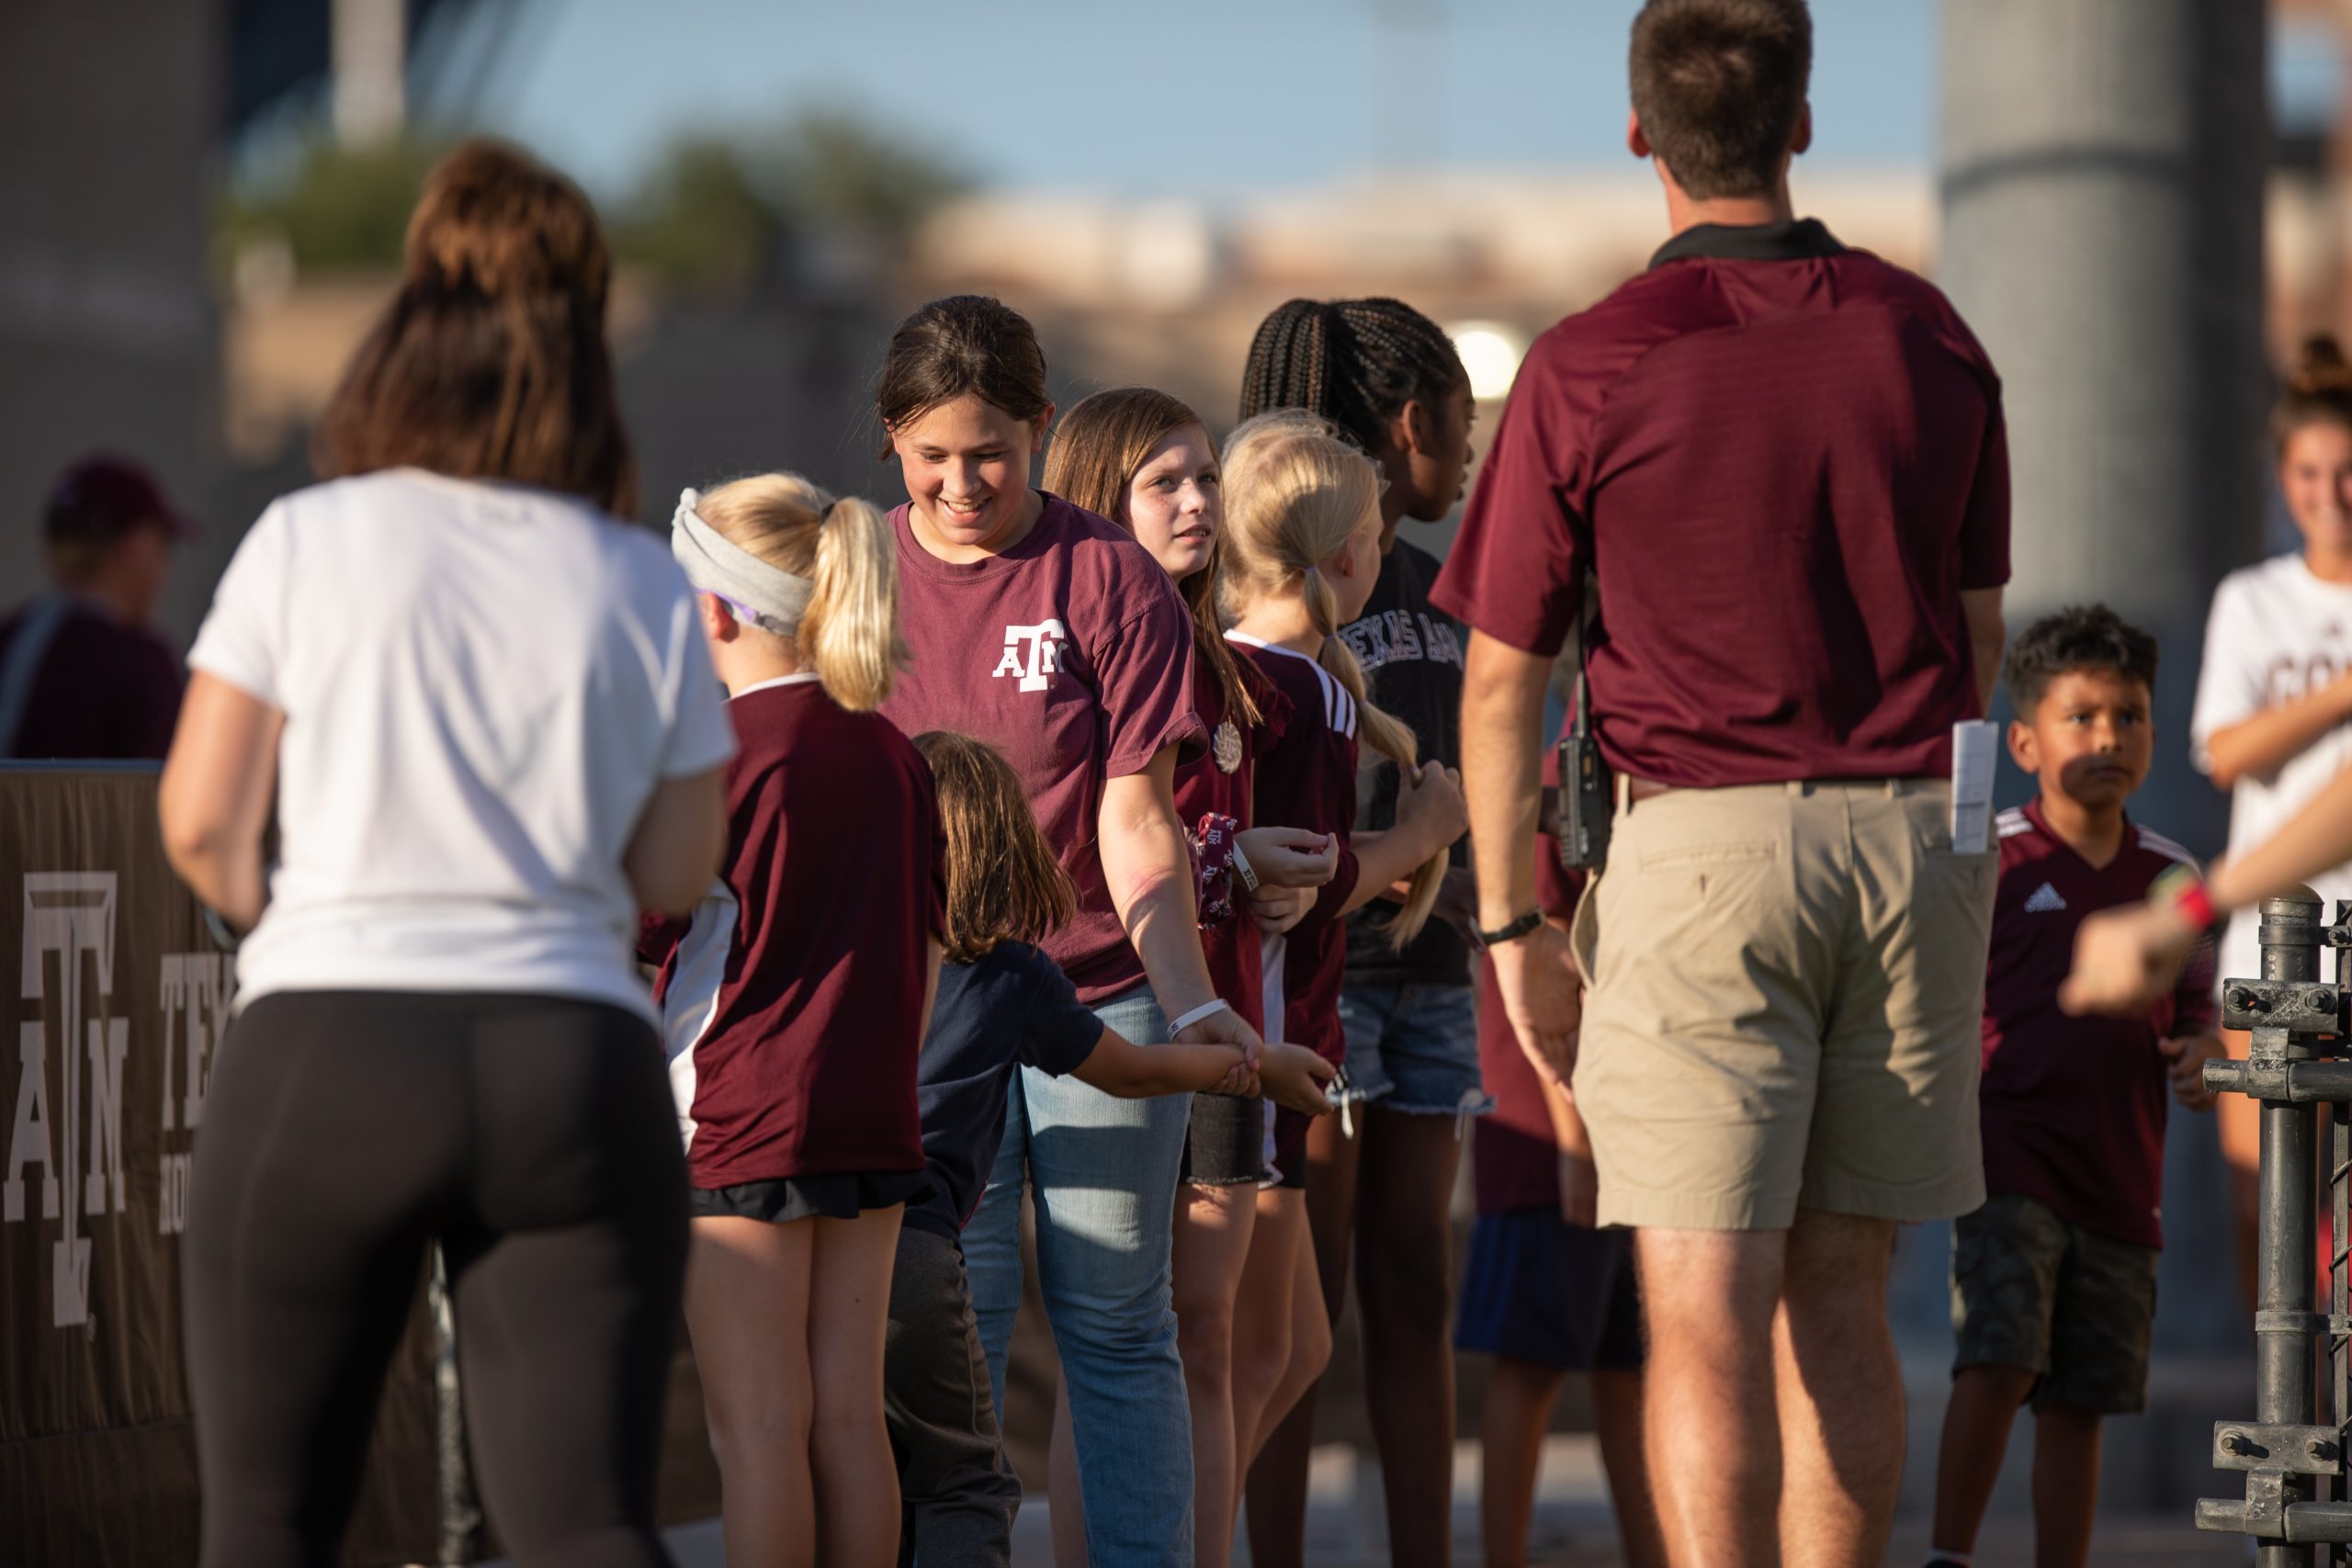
(102, 498)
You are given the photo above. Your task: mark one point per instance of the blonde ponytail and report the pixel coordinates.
(849, 634)
(1296, 491)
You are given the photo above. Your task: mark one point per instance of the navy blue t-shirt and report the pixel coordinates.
(1010, 1007)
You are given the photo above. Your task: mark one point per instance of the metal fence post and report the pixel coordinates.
(461, 1513)
(2292, 1452)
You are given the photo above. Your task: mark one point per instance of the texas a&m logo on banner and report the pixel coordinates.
(61, 1165)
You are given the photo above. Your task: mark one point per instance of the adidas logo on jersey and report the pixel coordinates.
(2045, 900)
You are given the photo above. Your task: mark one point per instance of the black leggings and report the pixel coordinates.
(343, 1133)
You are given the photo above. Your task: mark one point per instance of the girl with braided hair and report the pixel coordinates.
(1144, 460)
(1383, 1172)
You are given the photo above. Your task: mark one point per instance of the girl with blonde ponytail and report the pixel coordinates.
(794, 1004)
(1302, 549)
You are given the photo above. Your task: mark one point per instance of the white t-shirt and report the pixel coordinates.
(483, 684)
(2275, 632)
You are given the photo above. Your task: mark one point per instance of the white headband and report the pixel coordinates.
(768, 596)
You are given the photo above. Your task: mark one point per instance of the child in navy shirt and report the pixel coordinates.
(2054, 1279)
(1003, 1005)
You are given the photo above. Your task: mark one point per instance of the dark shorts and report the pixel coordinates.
(1413, 1048)
(840, 1196)
(1538, 1289)
(1224, 1142)
(2077, 1310)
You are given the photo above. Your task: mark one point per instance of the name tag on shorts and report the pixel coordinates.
(1975, 757)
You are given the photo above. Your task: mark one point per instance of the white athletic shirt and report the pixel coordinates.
(483, 684)
(2274, 633)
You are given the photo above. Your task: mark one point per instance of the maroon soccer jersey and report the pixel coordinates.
(1514, 1161)
(1784, 460)
(1207, 783)
(792, 1006)
(1072, 654)
(1308, 779)
(2073, 1107)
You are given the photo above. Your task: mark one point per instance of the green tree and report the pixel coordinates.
(338, 208)
(700, 219)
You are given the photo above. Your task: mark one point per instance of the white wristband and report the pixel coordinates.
(1207, 1010)
(1241, 868)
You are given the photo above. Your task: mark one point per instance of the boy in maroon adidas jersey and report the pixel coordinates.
(2054, 1279)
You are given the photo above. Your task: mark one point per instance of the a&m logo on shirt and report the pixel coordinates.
(1034, 653)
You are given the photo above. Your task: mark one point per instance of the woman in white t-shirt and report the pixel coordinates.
(2273, 722)
(492, 730)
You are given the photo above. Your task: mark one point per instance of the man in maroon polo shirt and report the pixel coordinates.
(1780, 463)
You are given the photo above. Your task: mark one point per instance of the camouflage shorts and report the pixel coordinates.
(2029, 1290)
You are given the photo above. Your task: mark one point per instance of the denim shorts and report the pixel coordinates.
(1413, 1048)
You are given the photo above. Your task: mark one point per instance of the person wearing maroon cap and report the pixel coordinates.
(81, 675)
(1779, 466)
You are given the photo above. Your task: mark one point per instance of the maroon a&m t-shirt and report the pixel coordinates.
(792, 1003)
(1784, 460)
(1208, 784)
(1072, 654)
(2073, 1107)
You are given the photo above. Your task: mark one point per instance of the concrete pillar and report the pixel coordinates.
(2102, 185)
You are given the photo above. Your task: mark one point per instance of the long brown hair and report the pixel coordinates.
(2318, 391)
(849, 634)
(491, 362)
(1003, 883)
(1096, 449)
(1296, 491)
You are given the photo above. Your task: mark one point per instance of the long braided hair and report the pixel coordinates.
(1097, 447)
(1355, 362)
(1295, 490)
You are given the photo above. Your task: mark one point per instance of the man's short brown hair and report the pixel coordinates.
(1719, 86)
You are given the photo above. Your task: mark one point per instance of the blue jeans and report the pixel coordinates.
(1413, 1048)
(1103, 1172)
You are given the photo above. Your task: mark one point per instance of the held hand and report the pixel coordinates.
(1428, 802)
(1542, 997)
(1276, 909)
(1580, 1189)
(1294, 1075)
(1238, 1080)
(2125, 959)
(1226, 1027)
(1290, 857)
(2184, 1060)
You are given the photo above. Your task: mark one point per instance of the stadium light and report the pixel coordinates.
(1492, 352)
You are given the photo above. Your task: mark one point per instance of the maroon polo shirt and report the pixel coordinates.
(102, 689)
(1784, 460)
(2073, 1107)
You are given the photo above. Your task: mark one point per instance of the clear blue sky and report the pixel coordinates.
(1133, 97)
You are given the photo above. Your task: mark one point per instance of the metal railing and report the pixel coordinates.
(2292, 1451)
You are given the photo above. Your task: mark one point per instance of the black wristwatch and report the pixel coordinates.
(1513, 931)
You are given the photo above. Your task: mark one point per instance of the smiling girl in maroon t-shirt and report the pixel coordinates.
(794, 1006)
(1050, 633)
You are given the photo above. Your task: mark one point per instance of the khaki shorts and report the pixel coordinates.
(1786, 989)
